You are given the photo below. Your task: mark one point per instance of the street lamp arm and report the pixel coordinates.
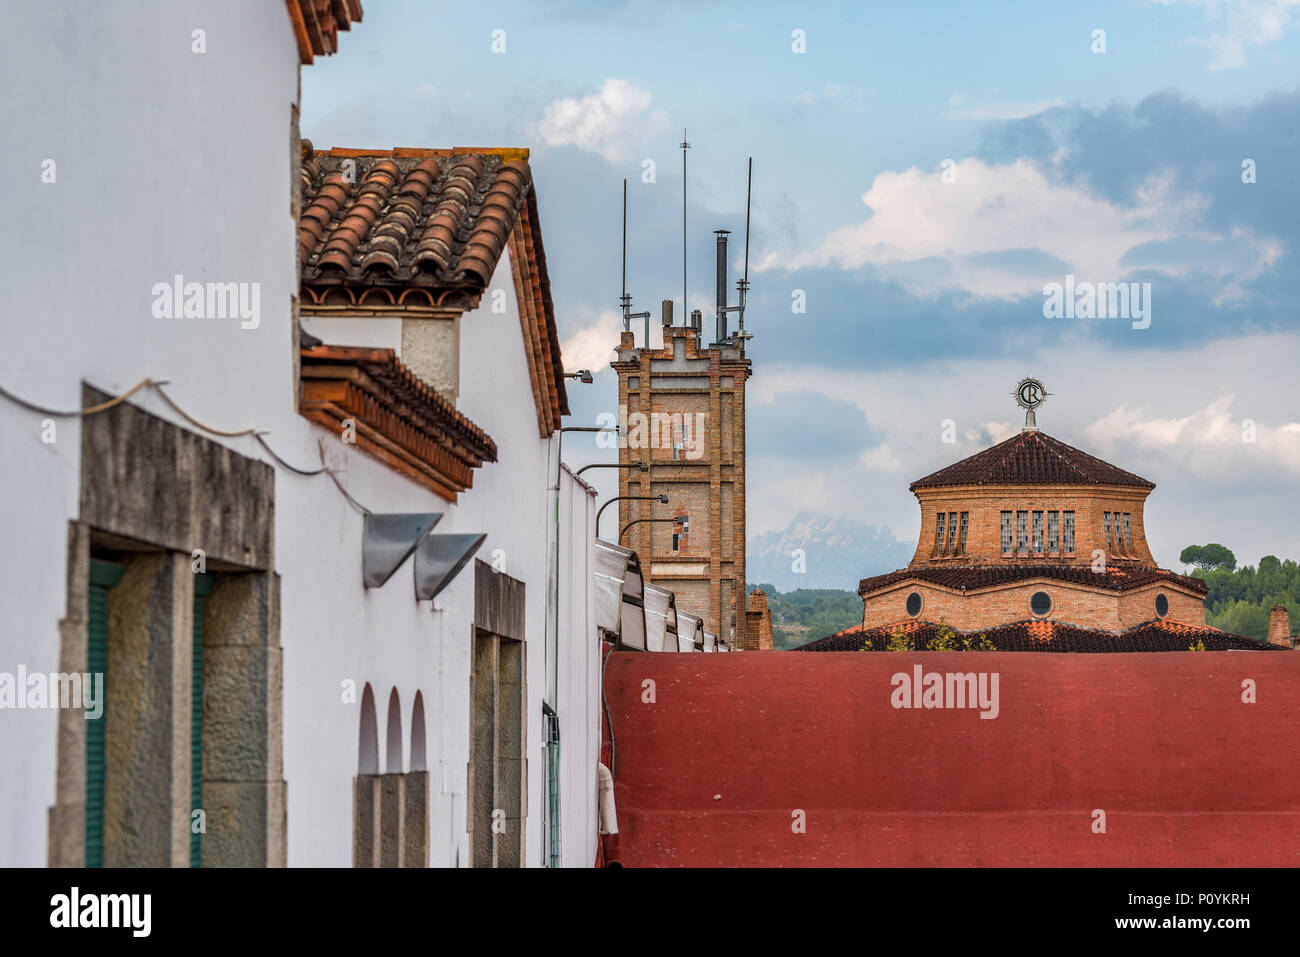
(674, 521)
(662, 499)
(639, 466)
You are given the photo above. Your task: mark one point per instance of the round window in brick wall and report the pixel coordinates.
(1040, 603)
(1162, 605)
(914, 604)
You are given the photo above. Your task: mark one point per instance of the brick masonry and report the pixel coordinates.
(707, 571)
(986, 503)
(1279, 627)
(760, 621)
(1072, 602)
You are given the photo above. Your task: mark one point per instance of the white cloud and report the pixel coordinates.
(1211, 441)
(1012, 110)
(426, 89)
(1159, 413)
(592, 345)
(611, 122)
(1240, 24)
(1005, 231)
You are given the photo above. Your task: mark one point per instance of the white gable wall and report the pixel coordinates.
(174, 162)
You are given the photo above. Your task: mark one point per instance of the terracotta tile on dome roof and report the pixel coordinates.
(1031, 458)
(972, 577)
(1037, 635)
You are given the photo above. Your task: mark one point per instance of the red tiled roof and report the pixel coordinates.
(424, 228)
(433, 219)
(316, 24)
(398, 418)
(972, 577)
(1158, 634)
(1031, 458)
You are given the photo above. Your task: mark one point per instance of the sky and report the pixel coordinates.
(919, 183)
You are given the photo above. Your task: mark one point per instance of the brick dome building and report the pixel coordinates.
(1032, 528)
(1034, 541)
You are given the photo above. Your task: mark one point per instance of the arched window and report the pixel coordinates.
(418, 760)
(368, 746)
(393, 737)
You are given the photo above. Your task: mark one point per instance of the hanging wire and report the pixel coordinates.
(320, 444)
(281, 462)
(157, 386)
(195, 422)
(41, 410)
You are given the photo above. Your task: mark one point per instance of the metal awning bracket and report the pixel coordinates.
(439, 558)
(387, 540)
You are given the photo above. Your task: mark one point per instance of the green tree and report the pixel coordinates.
(1208, 557)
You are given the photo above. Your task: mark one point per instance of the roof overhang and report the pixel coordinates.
(369, 398)
(316, 24)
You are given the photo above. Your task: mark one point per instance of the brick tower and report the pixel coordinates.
(682, 412)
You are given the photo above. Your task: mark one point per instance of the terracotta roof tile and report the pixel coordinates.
(1051, 636)
(428, 228)
(316, 24)
(1031, 458)
(397, 417)
(441, 222)
(972, 577)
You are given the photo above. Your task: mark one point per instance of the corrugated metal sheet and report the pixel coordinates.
(657, 601)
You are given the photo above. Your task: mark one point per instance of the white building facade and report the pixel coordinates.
(261, 705)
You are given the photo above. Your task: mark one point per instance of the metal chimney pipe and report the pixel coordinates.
(666, 307)
(722, 235)
(697, 321)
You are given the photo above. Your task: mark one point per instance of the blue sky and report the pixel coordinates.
(924, 296)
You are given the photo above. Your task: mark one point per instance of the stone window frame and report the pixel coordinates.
(498, 759)
(151, 492)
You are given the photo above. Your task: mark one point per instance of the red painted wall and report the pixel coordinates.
(711, 773)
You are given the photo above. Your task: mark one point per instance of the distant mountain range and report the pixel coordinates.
(837, 553)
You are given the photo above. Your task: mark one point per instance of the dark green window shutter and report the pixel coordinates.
(202, 589)
(103, 576)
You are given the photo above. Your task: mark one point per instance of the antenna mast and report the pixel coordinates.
(685, 147)
(744, 283)
(625, 300)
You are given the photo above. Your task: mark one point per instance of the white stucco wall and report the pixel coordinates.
(173, 162)
(167, 162)
(579, 684)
